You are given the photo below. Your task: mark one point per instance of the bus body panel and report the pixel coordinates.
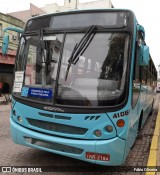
(77, 126)
(143, 105)
(114, 147)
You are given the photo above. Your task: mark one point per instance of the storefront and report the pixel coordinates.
(7, 69)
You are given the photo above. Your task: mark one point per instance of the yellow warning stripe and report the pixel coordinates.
(152, 160)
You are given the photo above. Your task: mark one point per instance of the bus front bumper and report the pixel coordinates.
(77, 149)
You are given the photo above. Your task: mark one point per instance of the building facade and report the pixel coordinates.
(7, 61)
(24, 15)
(75, 4)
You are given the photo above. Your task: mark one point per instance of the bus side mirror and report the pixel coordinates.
(6, 38)
(143, 55)
(5, 44)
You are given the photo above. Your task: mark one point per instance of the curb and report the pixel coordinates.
(152, 160)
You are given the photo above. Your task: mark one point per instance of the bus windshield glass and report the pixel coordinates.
(96, 78)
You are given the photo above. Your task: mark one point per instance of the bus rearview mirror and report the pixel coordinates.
(5, 44)
(144, 56)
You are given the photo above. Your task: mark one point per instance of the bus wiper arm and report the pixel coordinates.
(82, 43)
(80, 47)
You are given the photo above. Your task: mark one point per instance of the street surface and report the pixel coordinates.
(16, 155)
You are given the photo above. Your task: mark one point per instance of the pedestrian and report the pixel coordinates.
(1, 87)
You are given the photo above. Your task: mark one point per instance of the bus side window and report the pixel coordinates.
(136, 69)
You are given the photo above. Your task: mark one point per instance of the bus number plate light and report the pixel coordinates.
(97, 156)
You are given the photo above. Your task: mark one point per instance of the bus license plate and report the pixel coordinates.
(97, 156)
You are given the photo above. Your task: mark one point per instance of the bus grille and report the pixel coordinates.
(53, 146)
(50, 126)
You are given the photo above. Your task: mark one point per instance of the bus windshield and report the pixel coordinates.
(96, 78)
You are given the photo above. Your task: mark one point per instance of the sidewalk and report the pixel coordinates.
(4, 106)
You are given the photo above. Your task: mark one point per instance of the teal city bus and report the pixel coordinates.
(84, 84)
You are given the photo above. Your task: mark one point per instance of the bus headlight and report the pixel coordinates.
(19, 119)
(109, 128)
(97, 133)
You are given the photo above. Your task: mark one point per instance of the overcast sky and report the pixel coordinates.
(147, 13)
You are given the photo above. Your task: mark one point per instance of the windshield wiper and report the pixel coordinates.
(80, 47)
